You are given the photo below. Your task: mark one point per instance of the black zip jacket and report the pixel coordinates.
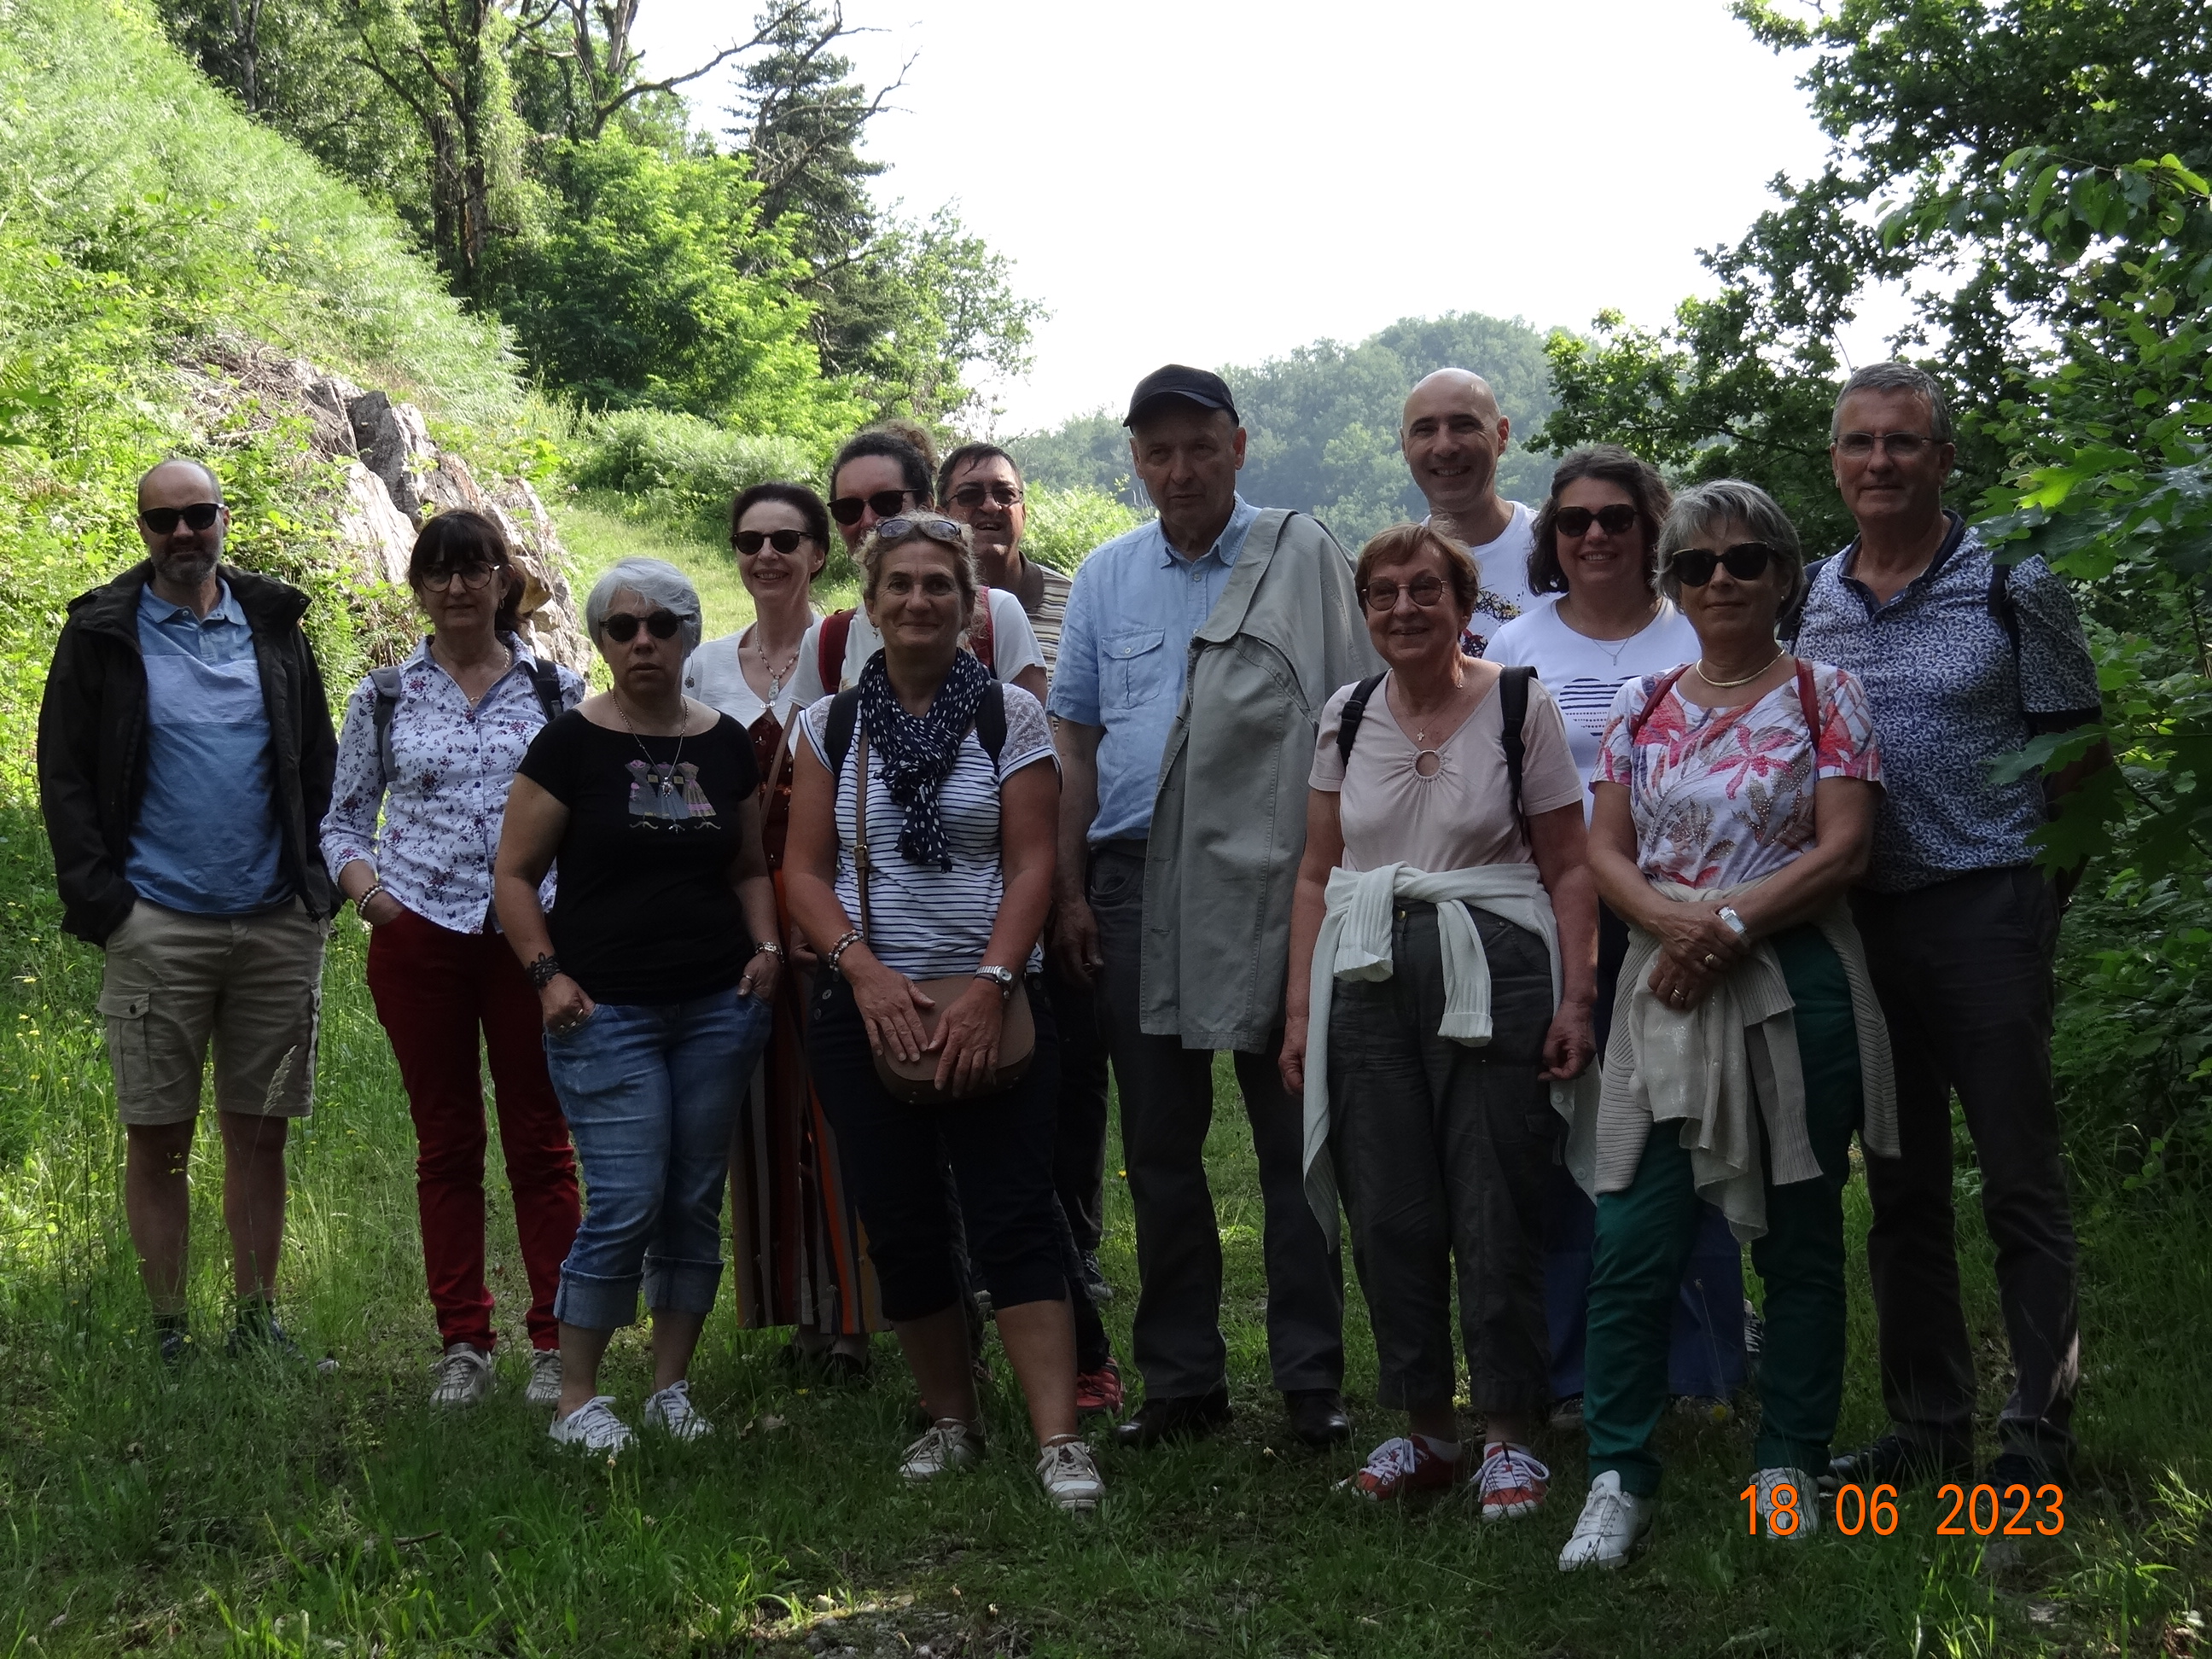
(92, 743)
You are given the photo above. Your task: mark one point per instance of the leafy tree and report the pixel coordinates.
(657, 285)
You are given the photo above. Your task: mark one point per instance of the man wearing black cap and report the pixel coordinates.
(1202, 647)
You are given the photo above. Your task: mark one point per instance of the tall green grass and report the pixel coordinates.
(235, 1511)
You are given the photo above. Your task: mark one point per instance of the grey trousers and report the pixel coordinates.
(1167, 1107)
(1964, 972)
(1444, 1154)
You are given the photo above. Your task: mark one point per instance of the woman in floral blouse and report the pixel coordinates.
(1734, 808)
(435, 747)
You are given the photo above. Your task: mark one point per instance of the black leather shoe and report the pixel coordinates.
(1317, 1416)
(2019, 1468)
(1897, 1462)
(1174, 1417)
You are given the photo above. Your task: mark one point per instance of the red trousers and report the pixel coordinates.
(434, 989)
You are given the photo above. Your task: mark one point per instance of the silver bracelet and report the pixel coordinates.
(771, 947)
(360, 905)
(1735, 921)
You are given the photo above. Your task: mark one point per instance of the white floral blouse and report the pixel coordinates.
(442, 813)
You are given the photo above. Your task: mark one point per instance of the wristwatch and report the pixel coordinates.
(1001, 977)
(1735, 921)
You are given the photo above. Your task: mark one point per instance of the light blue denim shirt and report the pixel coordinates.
(206, 839)
(1123, 649)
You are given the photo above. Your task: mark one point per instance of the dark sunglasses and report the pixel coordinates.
(1425, 590)
(749, 542)
(937, 529)
(163, 520)
(847, 510)
(1616, 520)
(622, 627)
(1746, 561)
(974, 495)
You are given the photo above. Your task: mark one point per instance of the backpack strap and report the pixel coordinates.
(2002, 608)
(844, 718)
(1354, 711)
(546, 681)
(991, 721)
(1638, 721)
(1513, 716)
(980, 640)
(389, 688)
(829, 653)
(1794, 624)
(1809, 699)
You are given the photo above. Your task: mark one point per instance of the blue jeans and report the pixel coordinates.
(651, 1091)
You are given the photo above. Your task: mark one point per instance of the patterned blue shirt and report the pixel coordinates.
(206, 839)
(1123, 649)
(1950, 695)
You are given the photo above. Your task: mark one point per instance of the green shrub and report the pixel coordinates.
(680, 469)
(1066, 524)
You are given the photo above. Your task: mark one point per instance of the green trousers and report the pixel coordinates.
(1644, 1235)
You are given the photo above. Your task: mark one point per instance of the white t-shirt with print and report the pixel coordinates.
(1584, 673)
(1013, 641)
(1504, 563)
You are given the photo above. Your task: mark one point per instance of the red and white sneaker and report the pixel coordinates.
(1512, 1483)
(1098, 1391)
(1397, 1468)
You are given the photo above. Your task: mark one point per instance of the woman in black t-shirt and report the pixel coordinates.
(655, 973)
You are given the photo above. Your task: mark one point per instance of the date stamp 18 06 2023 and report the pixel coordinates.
(1983, 1511)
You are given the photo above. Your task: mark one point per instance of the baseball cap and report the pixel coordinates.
(1196, 385)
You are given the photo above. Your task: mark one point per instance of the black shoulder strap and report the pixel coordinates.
(844, 719)
(1513, 716)
(2001, 605)
(388, 687)
(546, 681)
(991, 721)
(1354, 711)
(1794, 624)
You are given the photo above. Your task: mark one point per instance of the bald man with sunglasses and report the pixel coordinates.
(185, 755)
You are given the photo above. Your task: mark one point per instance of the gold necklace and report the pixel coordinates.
(1729, 685)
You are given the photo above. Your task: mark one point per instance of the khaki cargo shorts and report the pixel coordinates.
(252, 985)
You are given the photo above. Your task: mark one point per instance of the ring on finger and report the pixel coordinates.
(1711, 961)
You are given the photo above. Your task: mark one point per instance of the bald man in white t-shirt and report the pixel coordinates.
(1453, 434)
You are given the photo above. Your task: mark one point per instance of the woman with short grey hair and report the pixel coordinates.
(654, 976)
(1735, 810)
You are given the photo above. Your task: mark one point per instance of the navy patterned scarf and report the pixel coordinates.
(914, 753)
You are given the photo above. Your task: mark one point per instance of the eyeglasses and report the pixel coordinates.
(1383, 596)
(1615, 519)
(974, 495)
(948, 530)
(847, 510)
(1746, 561)
(749, 542)
(622, 627)
(474, 577)
(163, 520)
(1900, 446)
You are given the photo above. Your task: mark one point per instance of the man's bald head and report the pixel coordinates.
(166, 479)
(1452, 435)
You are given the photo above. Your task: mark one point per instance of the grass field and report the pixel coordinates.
(237, 1510)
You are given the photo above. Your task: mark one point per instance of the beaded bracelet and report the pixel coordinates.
(852, 938)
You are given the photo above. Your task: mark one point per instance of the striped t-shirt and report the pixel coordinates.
(1043, 592)
(929, 923)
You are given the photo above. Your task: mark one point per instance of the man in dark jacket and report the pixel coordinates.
(184, 763)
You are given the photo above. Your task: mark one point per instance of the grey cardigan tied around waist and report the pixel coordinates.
(1722, 1069)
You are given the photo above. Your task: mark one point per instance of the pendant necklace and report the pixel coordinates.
(1729, 685)
(664, 783)
(777, 676)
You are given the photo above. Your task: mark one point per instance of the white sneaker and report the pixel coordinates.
(544, 1387)
(1612, 1528)
(463, 1377)
(1805, 1504)
(592, 1427)
(670, 1411)
(949, 1445)
(1070, 1476)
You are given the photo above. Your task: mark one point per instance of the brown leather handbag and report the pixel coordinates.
(915, 1081)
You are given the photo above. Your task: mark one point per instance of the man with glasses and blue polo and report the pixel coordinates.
(1964, 660)
(186, 757)
(1194, 661)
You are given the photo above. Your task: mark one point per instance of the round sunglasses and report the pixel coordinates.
(1746, 560)
(847, 510)
(749, 542)
(622, 627)
(163, 520)
(1615, 519)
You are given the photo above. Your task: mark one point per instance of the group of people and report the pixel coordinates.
(1638, 866)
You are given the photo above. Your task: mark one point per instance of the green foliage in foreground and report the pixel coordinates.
(241, 1513)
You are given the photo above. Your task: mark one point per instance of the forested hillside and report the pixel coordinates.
(1323, 423)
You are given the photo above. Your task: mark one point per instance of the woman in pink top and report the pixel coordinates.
(1442, 944)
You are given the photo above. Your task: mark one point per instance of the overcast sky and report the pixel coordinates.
(1210, 182)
